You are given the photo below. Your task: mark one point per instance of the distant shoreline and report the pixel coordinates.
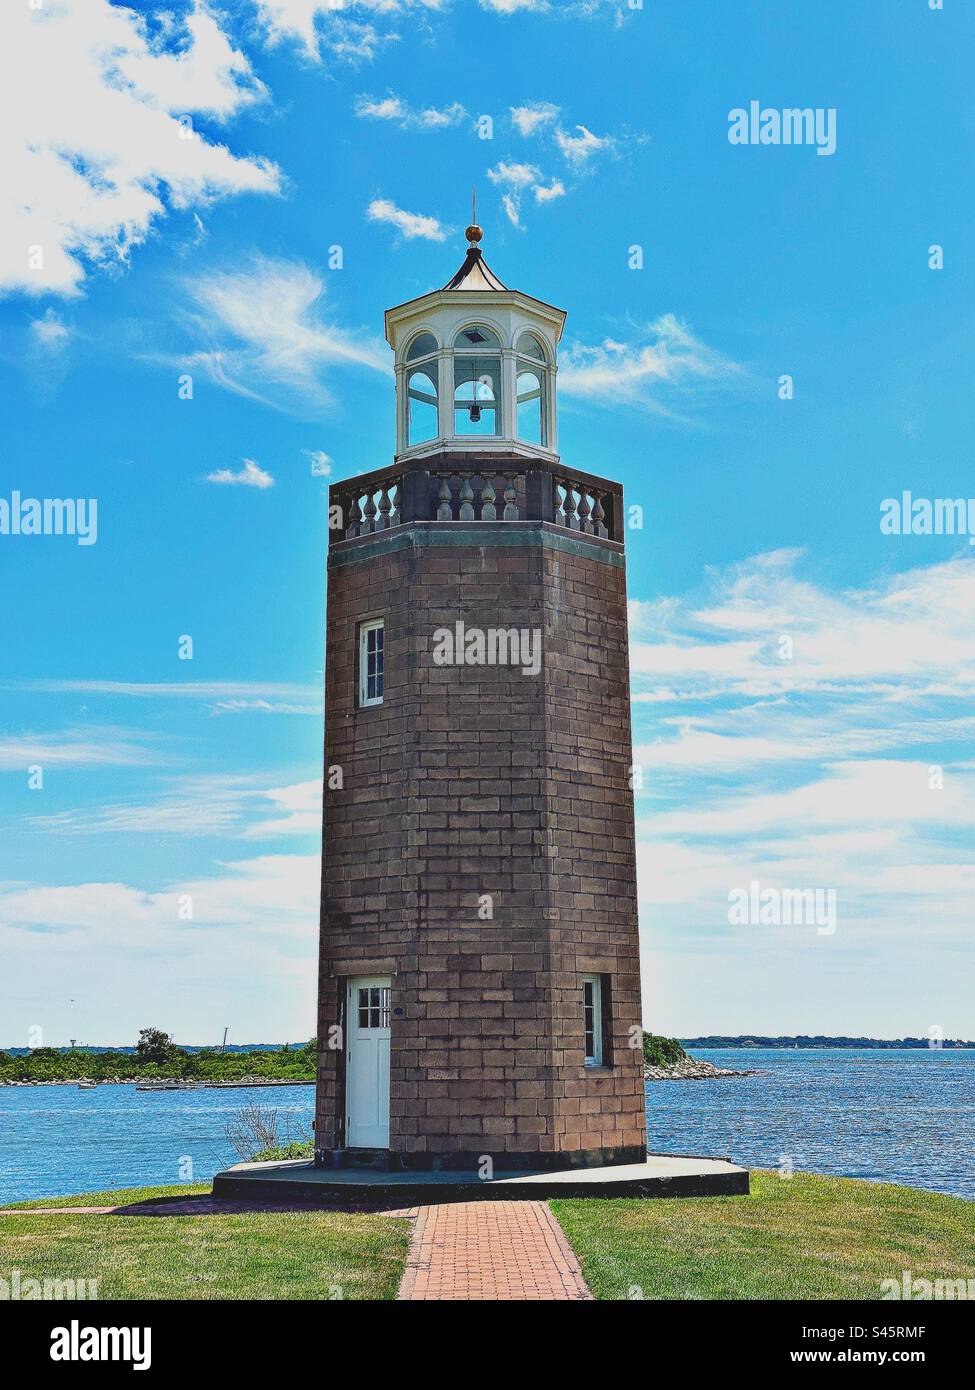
(802, 1041)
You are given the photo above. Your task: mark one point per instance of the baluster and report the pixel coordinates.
(585, 509)
(445, 500)
(571, 519)
(355, 519)
(466, 499)
(599, 516)
(558, 516)
(394, 519)
(369, 515)
(489, 511)
(510, 498)
(385, 507)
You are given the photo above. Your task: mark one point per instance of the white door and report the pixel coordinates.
(367, 1063)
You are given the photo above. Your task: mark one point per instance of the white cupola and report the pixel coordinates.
(475, 366)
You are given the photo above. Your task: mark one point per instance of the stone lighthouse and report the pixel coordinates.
(479, 994)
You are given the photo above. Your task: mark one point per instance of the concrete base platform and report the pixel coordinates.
(662, 1175)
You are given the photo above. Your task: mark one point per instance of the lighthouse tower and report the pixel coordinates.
(479, 993)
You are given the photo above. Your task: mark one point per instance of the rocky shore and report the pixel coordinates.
(689, 1070)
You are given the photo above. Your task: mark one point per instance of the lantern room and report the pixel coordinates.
(475, 366)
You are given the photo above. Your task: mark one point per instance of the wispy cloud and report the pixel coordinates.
(517, 179)
(534, 116)
(250, 474)
(664, 362)
(319, 462)
(74, 748)
(236, 807)
(426, 119)
(85, 178)
(580, 145)
(228, 697)
(410, 224)
(322, 27)
(269, 334)
(50, 333)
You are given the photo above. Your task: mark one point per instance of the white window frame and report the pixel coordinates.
(370, 625)
(594, 1059)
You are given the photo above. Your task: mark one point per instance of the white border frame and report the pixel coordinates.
(365, 627)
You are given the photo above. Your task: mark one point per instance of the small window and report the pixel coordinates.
(374, 1007)
(421, 394)
(371, 662)
(422, 345)
(531, 409)
(529, 346)
(592, 1019)
(477, 393)
(479, 338)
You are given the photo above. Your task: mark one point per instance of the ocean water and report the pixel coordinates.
(897, 1116)
(58, 1140)
(904, 1115)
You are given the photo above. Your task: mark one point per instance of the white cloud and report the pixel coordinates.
(243, 692)
(236, 807)
(250, 947)
(410, 224)
(517, 179)
(298, 811)
(514, 6)
(907, 638)
(249, 475)
(533, 116)
(49, 332)
(579, 148)
(261, 706)
(318, 25)
(514, 175)
(319, 461)
(268, 336)
(78, 748)
(94, 154)
(664, 361)
(543, 194)
(846, 766)
(424, 119)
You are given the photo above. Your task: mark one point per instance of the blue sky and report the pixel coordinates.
(359, 127)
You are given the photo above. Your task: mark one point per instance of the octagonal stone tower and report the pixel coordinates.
(479, 992)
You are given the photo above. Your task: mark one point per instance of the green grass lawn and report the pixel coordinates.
(264, 1255)
(803, 1237)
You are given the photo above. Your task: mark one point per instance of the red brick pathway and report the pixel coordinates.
(490, 1250)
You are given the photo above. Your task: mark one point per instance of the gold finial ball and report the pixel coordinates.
(474, 234)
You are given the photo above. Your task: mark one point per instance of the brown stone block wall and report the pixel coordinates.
(471, 781)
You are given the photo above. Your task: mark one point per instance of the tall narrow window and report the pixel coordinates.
(477, 381)
(592, 1019)
(421, 395)
(531, 415)
(371, 636)
(422, 422)
(530, 408)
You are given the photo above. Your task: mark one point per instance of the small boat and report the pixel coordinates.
(87, 1085)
